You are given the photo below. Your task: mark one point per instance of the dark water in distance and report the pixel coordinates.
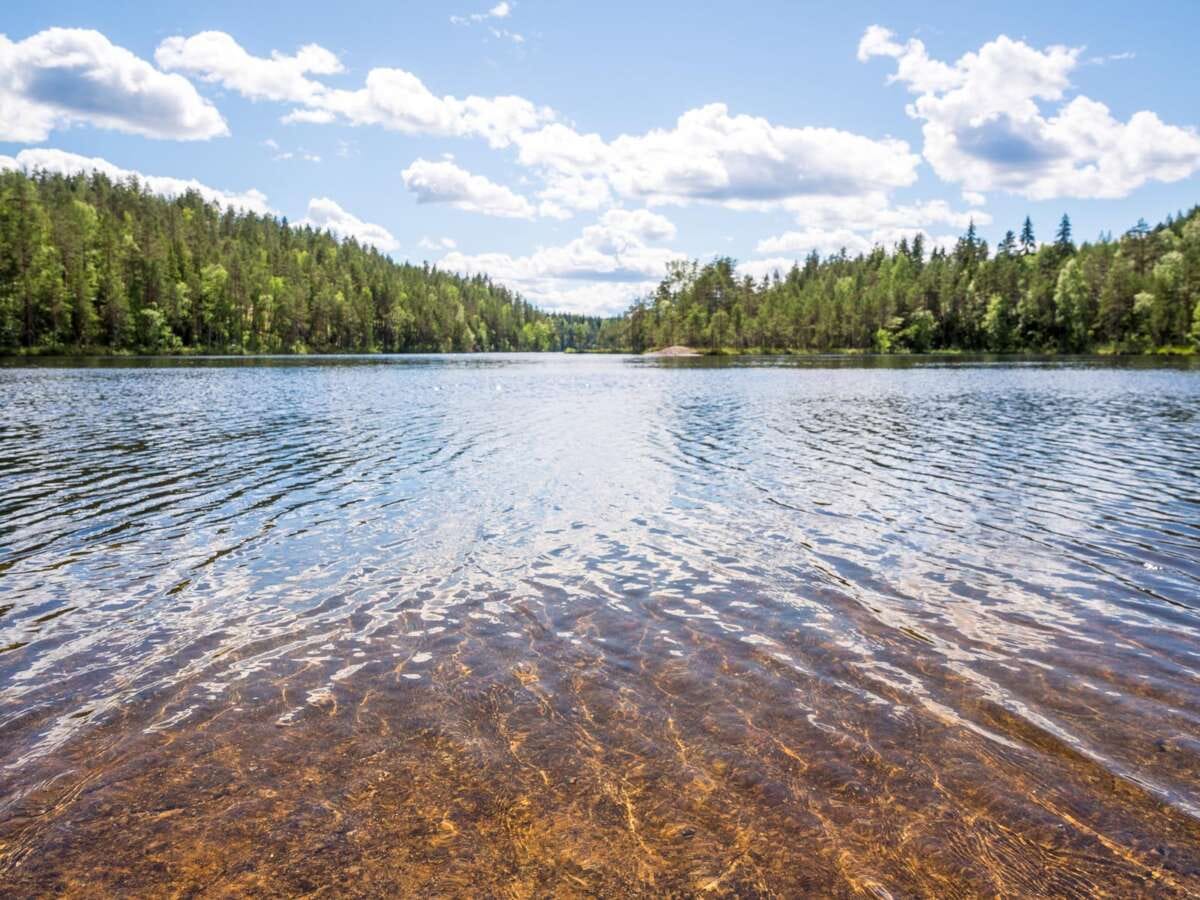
(600, 626)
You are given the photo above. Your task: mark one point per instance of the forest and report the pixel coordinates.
(88, 265)
(1138, 293)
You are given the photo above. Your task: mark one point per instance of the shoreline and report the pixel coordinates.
(727, 352)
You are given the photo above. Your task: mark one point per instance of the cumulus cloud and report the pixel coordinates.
(445, 182)
(398, 100)
(67, 76)
(428, 243)
(998, 119)
(390, 98)
(711, 155)
(827, 241)
(326, 215)
(858, 224)
(874, 212)
(913, 65)
(564, 195)
(824, 240)
(215, 57)
(640, 224)
(598, 273)
(61, 162)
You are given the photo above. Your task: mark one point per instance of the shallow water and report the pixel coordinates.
(534, 625)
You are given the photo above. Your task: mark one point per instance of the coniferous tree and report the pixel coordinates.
(89, 264)
(1047, 299)
(1062, 238)
(1028, 242)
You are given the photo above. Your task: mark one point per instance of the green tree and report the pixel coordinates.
(1000, 324)
(719, 329)
(31, 295)
(1028, 242)
(1062, 238)
(918, 334)
(1115, 316)
(1072, 307)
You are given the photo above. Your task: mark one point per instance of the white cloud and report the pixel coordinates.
(1111, 57)
(985, 128)
(711, 155)
(280, 154)
(859, 224)
(64, 163)
(445, 182)
(428, 243)
(63, 76)
(506, 35)
(326, 215)
(561, 148)
(309, 117)
(824, 240)
(290, 154)
(874, 212)
(758, 268)
(215, 57)
(499, 11)
(598, 273)
(828, 241)
(398, 100)
(564, 195)
(913, 64)
(390, 98)
(641, 224)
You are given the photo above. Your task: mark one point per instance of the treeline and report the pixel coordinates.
(88, 264)
(1139, 293)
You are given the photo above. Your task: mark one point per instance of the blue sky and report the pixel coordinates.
(572, 149)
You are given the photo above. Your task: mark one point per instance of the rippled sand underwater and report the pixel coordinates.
(600, 626)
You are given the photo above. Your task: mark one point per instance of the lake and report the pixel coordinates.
(592, 625)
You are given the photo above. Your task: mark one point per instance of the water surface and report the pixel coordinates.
(534, 625)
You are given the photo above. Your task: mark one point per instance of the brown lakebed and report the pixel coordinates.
(600, 626)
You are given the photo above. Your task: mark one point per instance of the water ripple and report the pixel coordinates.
(806, 589)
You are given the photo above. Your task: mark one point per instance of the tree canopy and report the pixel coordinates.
(88, 264)
(1138, 293)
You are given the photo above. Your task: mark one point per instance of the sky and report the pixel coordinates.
(571, 150)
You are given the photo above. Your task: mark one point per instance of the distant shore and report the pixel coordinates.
(673, 351)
